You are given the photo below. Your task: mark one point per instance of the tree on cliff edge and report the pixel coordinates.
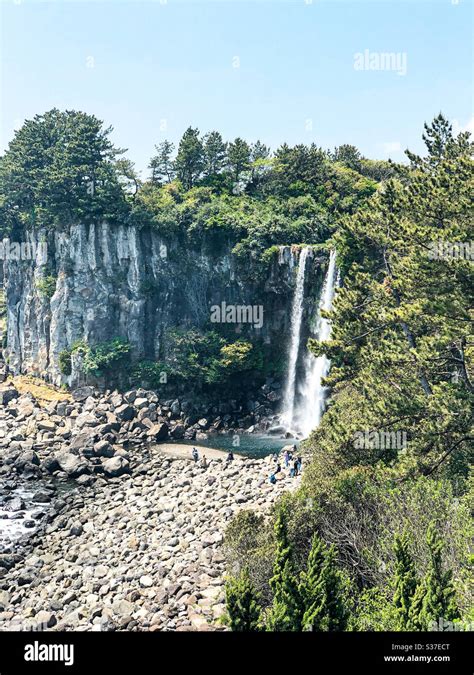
(190, 158)
(60, 168)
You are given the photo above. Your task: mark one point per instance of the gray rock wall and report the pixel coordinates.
(134, 283)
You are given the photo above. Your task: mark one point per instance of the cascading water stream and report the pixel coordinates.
(296, 317)
(312, 392)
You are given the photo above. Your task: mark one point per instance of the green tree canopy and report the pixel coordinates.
(60, 169)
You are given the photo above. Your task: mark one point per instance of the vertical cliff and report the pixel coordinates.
(107, 281)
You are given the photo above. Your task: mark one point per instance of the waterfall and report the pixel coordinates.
(312, 393)
(296, 317)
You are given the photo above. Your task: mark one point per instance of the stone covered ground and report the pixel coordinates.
(136, 547)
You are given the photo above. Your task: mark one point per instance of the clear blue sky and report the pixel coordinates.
(141, 65)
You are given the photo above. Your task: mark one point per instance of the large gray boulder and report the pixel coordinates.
(70, 463)
(116, 466)
(81, 393)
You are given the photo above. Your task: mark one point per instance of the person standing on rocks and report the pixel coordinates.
(230, 456)
(286, 457)
(295, 468)
(195, 455)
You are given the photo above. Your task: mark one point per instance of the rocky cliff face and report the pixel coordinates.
(122, 281)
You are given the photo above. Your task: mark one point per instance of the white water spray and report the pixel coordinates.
(296, 317)
(312, 393)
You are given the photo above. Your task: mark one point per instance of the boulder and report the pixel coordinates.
(82, 393)
(116, 466)
(8, 394)
(104, 449)
(15, 504)
(42, 497)
(76, 529)
(84, 439)
(50, 464)
(178, 431)
(9, 560)
(125, 412)
(140, 403)
(175, 407)
(130, 396)
(158, 432)
(86, 419)
(61, 408)
(26, 457)
(70, 464)
(46, 425)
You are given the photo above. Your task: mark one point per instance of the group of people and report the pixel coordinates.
(291, 462)
(195, 455)
(203, 460)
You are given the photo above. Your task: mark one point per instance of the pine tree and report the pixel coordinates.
(214, 153)
(405, 581)
(242, 602)
(337, 613)
(434, 598)
(312, 587)
(238, 157)
(403, 316)
(322, 591)
(161, 164)
(190, 158)
(287, 609)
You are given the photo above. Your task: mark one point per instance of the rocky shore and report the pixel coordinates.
(136, 544)
(88, 434)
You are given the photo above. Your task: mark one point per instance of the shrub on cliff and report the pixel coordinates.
(102, 358)
(47, 286)
(65, 362)
(206, 358)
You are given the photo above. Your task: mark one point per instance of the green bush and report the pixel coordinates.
(153, 373)
(238, 357)
(102, 358)
(47, 286)
(65, 362)
(206, 357)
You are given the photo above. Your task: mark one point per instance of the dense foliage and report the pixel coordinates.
(61, 168)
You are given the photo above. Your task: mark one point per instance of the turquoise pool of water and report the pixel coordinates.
(249, 445)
